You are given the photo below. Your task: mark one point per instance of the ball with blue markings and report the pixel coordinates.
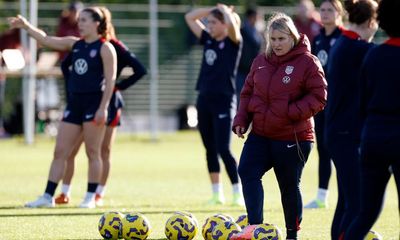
(266, 231)
(180, 227)
(135, 226)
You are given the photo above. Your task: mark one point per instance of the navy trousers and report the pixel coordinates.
(259, 155)
(376, 158)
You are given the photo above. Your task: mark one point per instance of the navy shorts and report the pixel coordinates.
(114, 109)
(81, 107)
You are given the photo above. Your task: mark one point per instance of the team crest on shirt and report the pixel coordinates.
(80, 66)
(93, 53)
(286, 79)
(289, 69)
(333, 40)
(211, 56)
(221, 45)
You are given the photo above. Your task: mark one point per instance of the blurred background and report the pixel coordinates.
(179, 58)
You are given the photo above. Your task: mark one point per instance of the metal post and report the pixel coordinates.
(29, 82)
(153, 70)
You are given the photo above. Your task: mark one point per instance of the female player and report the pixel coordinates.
(124, 59)
(331, 18)
(342, 122)
(283, 91)
(380, 111)
(221, 40)
(90, 88)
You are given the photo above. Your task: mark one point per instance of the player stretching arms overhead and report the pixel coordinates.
(216, 86)
(124, 59)
(90, 87)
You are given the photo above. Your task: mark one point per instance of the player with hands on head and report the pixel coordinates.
(216, 86)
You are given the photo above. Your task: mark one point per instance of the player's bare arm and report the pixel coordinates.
(56, 43)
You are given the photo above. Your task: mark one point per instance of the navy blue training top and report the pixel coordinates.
(125, 58)
(344, 63)
(380, 84)
(219, 66)
(87, 68)
(322, 45)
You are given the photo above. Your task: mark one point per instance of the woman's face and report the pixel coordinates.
(86, 24)
(329, 15)
(280, 42)
(215, 27)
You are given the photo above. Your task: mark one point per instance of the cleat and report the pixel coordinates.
(88, 203)
(216, 199)
(98, 200)
(62, 199)
(42, 202)
(245, 234)
(316, 204)
(237, 200)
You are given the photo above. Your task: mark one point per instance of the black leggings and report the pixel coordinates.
(345, 156)
(325, 163)
(215, 121)
(376, 157)
(259, 155)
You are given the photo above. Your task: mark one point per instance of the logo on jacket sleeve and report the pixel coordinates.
(289, 69)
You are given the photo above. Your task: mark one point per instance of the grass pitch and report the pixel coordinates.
(155, 179)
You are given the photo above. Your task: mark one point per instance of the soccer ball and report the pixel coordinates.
(180, 227)
(210, 223)
(266, 231)
(225, 230)
(242, 221)
(190, 215)
(135, 226)
(230, 218)
(372, 235)
(110, 225)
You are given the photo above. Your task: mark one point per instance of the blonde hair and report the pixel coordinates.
(281, 22)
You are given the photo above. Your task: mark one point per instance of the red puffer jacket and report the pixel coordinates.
(282, 94)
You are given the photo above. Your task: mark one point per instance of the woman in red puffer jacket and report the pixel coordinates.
(283, 91)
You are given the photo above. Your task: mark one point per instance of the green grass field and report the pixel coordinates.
(155, 179)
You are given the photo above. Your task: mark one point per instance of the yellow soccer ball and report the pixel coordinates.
(372, 235)
(180, 227)
(225, 230)
(135, 226)
(210, 223)
(242, 221)
(267, 231)
(190, 215)
(110, 225)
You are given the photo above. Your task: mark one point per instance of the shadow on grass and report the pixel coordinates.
(91, 212)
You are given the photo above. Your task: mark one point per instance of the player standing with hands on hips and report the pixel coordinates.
(216, 86)
(283, 91)
(90, 87)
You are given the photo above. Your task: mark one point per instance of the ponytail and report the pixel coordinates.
(361, 11)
